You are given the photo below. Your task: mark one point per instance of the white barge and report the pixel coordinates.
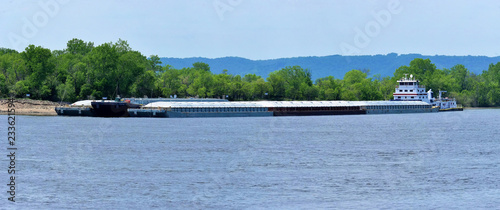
(278, 108)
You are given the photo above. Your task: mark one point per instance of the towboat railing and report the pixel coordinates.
(419, 86)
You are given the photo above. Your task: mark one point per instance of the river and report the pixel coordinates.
(405, 161)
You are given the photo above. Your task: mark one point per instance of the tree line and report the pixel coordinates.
(84, 71)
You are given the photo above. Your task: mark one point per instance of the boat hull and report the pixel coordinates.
(316, 113)
(401, 111)
(133, 112)
(112, 109)
(451, 109)
(75, 111)
(173, 114)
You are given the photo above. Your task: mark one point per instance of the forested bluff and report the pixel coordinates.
(84, 71)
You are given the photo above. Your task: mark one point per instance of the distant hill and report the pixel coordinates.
(333, 65)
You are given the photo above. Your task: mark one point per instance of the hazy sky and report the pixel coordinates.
(258, 29)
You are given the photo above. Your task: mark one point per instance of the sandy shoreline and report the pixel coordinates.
(29, 107)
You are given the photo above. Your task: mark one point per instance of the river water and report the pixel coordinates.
(402, 161)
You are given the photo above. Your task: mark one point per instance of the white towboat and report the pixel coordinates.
(409, 89)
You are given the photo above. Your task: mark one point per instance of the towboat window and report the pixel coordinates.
(400, 90)
(406, 90)
(410, 83)
(411, 90)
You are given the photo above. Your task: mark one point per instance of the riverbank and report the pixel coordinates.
(29, 107)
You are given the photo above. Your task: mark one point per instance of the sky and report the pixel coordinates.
(258, 29)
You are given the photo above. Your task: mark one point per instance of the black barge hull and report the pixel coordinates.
(112, 109)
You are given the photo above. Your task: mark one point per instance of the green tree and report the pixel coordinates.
(131, 70)
(103, 69)
(39, 67)
(260, 88)
(144, 85)
(287, 82)
(155, 64)
(277, 86)
(169, 82)
(201, 66)
(7, 51)
(66, 92)
(221, 85)
(122, 46)
(492, 84)
(3, 85)
(78, 46)
(357, 87)
(328, 88)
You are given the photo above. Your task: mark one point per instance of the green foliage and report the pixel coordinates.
(292, 83)
(7, 51)
(356, 86)
(3, 86)
(66, 92)
(77, 46)
(329, 88)
(82, 71)
(39, 67)
(21, 88)
(155, 64)
(201, 66)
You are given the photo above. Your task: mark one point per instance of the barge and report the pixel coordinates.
(112, 109)
(79, 108)
(278, 108)
(409, 97)
(118, 107)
